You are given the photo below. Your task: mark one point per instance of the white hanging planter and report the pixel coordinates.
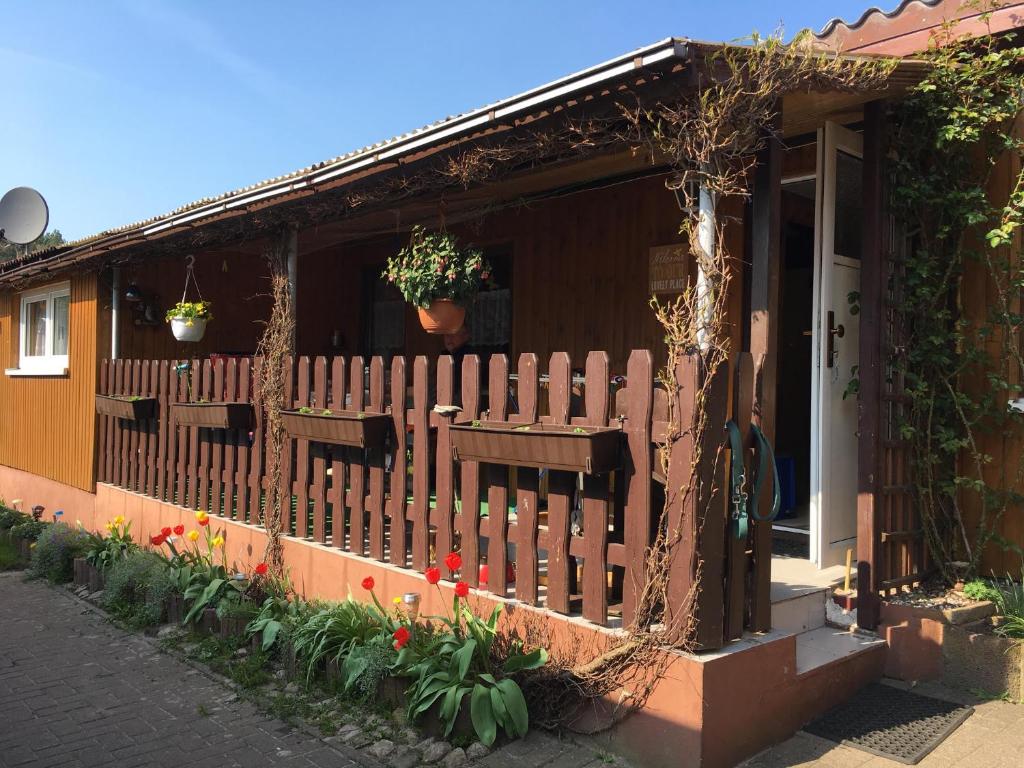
(188, 330)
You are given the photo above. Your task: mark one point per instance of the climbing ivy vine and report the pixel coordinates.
(960, 357)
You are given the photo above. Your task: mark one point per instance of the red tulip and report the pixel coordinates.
(368, 583)
(157, 540)
(261, 569)
(433, 575)
(205, 521)
(401, 636)
(461, 589)
(165, 532)
(453, 561)
(179, 530)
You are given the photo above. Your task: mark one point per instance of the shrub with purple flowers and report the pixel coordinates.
(54, 552)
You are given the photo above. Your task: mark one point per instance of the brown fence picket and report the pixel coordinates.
(497, 483)
(442, 516)
(243, 449)
(596, 496)
(302, 455)
(468, 507)
(419, 510)
(356, 470)
(526, 531)
(336, 493)
(561, 488)
(375, 461)
(318, 484)
(636, 476)
(399, 478)
(216, 438)
(230, 443)
(257, 449)
(288, 453)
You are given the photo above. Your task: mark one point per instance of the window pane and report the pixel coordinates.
(849, 206)
(35, 328)
(60, 324)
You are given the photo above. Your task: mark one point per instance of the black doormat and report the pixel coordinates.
(891, 722)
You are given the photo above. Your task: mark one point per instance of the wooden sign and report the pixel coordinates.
(667, 269)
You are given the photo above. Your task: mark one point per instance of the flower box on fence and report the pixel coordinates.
(213, 415)
(126, 407)
(356, 428)
(593, 450)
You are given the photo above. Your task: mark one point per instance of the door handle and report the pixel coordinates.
(834, 332)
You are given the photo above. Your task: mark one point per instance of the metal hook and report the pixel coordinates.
(190, 261)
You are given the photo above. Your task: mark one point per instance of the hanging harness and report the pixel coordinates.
(743, 505)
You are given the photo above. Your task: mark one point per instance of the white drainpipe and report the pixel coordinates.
(706, 240)
(115, 310)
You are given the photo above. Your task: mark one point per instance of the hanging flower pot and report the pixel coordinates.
(438, 277)
(188, 320)
(442, 316)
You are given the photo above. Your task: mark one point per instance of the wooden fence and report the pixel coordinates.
(578, 541)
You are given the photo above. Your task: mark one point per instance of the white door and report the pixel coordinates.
(836, 335)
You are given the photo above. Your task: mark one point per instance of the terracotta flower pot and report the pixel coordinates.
(442, 316)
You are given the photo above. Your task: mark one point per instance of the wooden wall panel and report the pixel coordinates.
(47, 424)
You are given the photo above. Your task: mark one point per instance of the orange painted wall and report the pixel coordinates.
(47, 424)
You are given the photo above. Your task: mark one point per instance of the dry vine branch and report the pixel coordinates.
(275, 348)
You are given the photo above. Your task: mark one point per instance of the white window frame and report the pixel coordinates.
(47, 364)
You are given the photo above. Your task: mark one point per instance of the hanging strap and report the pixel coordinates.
(744, 506)
(737, 481)
(766, 458)
(190, 275)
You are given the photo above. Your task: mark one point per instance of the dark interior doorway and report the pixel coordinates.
(793, 417)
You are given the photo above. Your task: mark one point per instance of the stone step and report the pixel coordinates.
(828, 645)
(798, 609)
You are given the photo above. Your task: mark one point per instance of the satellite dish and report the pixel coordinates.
(23, 215)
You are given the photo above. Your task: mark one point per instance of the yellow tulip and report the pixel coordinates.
(119, 520)
(193, 535)
(110, 527)
(397, 600)
(201, 516)
(218, 541)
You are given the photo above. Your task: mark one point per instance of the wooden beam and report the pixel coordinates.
(872, 276)
(766, 252)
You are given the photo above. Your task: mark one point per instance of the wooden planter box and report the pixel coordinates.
(81, 571)
(175, 609)
(355, 428)
(123, 407)
(213, 415)
(233, 626)
(97, 581)
(208, 623)
(593, 450)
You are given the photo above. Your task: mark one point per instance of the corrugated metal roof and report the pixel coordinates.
(382, 150)
(831, 25)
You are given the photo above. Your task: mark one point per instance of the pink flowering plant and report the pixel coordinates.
(433, 266)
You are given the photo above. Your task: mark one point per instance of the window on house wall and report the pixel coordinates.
(45, 327)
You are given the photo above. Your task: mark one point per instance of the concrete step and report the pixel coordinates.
(798, 609)
(827, 645)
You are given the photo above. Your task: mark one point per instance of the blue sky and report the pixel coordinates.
(118, 111)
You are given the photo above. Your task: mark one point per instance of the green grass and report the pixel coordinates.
(10, 558)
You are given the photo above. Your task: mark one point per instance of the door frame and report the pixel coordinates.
(832, 137)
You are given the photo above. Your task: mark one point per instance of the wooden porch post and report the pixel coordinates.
(766, 241)
(872, 276)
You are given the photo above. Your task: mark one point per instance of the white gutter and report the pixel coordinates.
(115, 309)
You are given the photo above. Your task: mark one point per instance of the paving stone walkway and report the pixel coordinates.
(76, 691)
(993, 737)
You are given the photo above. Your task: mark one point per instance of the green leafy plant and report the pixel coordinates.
(10, 518)
(1011, 606)
(189, 311)
(433, 266)
(960, 361)
(979, 589)
(464, 663)
(54, 552)
(28, 528)
(306, 410)
(138, 584)
(332, 631)
(103, 551)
